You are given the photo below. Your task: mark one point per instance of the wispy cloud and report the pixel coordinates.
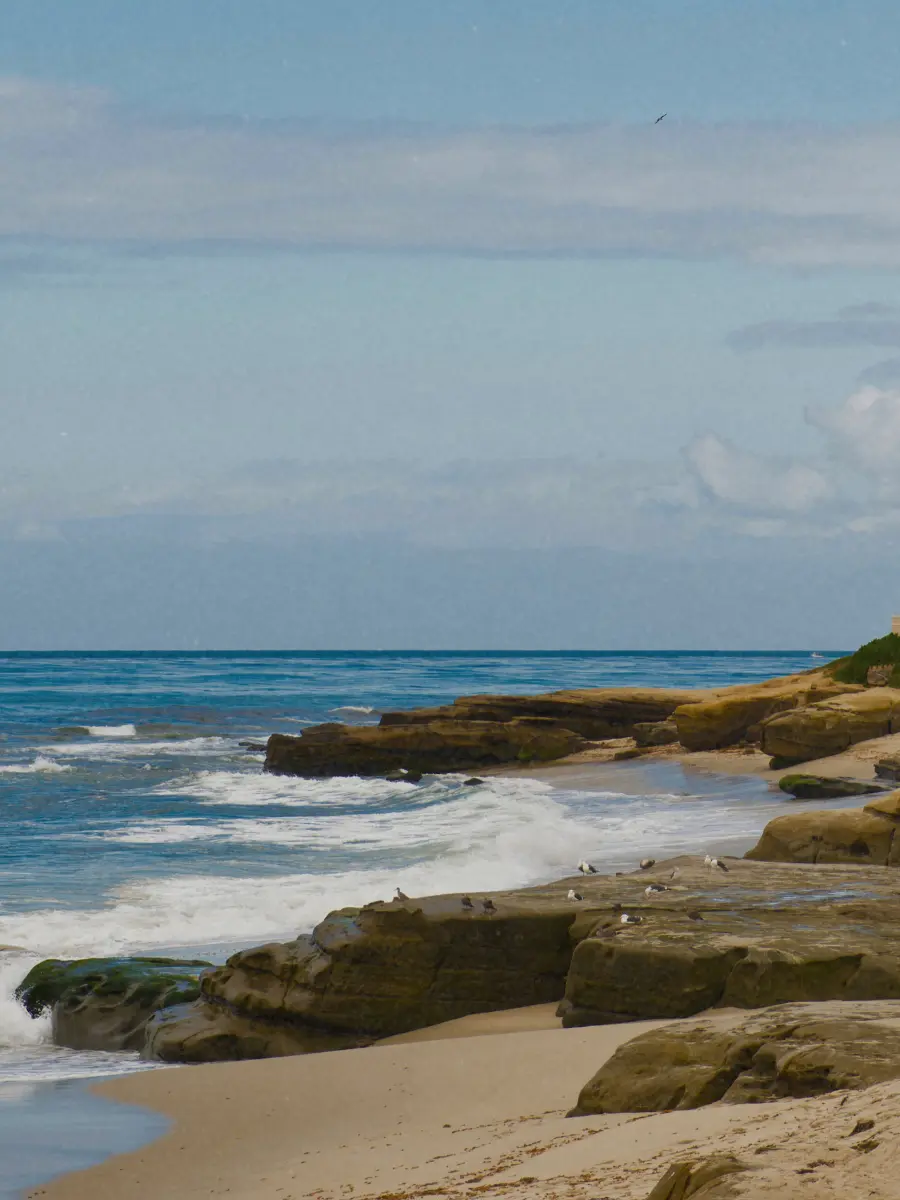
(76, 166)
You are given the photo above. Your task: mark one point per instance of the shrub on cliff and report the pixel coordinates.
(880, 652)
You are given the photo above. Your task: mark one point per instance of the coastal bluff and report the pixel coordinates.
(759, 934)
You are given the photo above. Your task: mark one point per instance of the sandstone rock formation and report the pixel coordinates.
(704, 1180)
(734, 714)
(888, 768)
(324, 750)
(768, 933)
(595, 713)
(791, 1050)
(823, 787)
(368, 973)
(105, 1003)
(861, 835)
(832, 725)
(656, 733)
(763, 934)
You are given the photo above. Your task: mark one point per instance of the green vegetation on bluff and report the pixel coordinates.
(880, 652)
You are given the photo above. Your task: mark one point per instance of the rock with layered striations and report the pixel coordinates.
(369, 973)
(854, 835)
(734, 714)
(595, 713)
(763, 934)
(326, 750)
(831, 726)
(767, 933)
(791, 1050)
(105, 1003)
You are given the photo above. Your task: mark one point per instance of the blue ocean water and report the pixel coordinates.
(133, 818)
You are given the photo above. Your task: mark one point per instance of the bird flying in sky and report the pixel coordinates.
(659, 118)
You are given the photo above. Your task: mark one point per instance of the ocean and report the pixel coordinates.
(135, 818)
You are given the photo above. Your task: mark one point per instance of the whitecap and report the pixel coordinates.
(124, 748)
(111, 731)
(246, 789)
(363, 709)
(41, 763)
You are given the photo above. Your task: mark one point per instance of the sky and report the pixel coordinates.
(409, 326)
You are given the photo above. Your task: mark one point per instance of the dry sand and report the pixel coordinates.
(441, 1114)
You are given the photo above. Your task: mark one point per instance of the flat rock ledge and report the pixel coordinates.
(760, 934)
(789, 1051)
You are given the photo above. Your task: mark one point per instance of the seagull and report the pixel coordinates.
(646, 863)
(586, 869)
(695, 916)
(573, 895)
(628, 919)
(398, 895)
(488, 905)
(658, 119)
(674, 874)
(467, 904)
(654, 889)
(709, 863)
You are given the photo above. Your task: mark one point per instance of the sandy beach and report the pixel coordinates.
(473, 1108)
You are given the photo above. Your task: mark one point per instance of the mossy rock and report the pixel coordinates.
(879, 652)
(820, 787)
(143, 981)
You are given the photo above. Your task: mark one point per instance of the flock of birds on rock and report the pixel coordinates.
(650, 891)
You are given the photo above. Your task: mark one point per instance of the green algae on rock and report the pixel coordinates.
(822, 787)
(105, 1003)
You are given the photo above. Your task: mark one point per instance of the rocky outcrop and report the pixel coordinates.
(595, 713)
(832, 725)
(708, 1179)
(368, 973)
(888, 768)
(760, 934)
(325, 750)
(105, 1003)
(734, 714)
(860, 835)
(655, 733)
(821, 787)
(792, 1050)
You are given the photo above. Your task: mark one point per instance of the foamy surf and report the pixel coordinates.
(111, 731)
(41, 763)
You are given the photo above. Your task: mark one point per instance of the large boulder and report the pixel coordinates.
(758, 934)
(791, 1050)
(105, 1003)
(734, 714)
(325, 750)
(369, 973)
(852, 835)
(832, 725)
(595, 713)
(824, 787)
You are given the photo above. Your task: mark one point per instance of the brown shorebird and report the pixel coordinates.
(398, 895)
(467, 904)
(488, 905)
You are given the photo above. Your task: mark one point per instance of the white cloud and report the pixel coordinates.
(864, 433)
(78, 167)
(753, 483)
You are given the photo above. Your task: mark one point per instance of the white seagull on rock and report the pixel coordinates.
(586, 869)
(710, 863)
(653, 889)
(628, 919)
(573, 895)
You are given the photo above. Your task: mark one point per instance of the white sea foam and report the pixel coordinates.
(260, 789)
(41, 763)
(16, 1027)
(123, 747)
(362, 709)
(111, 731)
(503, 834)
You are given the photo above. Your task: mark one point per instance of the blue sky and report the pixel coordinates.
(428, 278)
